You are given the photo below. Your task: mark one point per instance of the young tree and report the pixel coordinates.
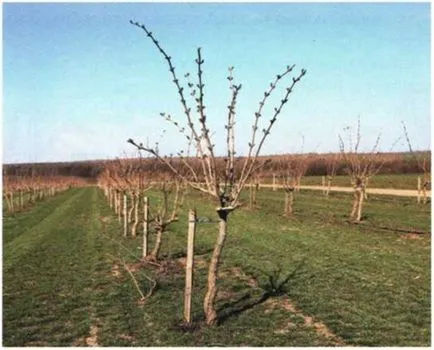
(331, 168)
(360, 167)
(224, 185)
(422, 159)
(166, 214)
(292, 169)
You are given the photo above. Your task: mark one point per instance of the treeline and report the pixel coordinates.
(394, 163)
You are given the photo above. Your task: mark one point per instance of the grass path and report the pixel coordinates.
(347, 284)
(54, 269)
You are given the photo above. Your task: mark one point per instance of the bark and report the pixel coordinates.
(156, 251)
(329, 186)
(289, 200)
(323, 183)
(21, 200)
(355, 203)
(136, 216)
(12, 202)
(356, 212)
(209, 301)
(360, 205)
(130, 211)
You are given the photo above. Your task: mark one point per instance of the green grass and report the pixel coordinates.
(368, 285)
(402, 181)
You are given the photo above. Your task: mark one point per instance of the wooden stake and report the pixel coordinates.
(125, 216)
(145, 226)
(324, 190)
(189, 266)
(274, 182)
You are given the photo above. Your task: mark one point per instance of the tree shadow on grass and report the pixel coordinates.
(274, 287)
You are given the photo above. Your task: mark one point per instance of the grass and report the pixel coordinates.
(312, 280)
(402, 181)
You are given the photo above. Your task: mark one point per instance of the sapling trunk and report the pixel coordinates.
(12, 202)
(130, 211)
(157, 246)
(208, 305)
(289, 201)
(355, 204)
(136, 216)
(21, 200)
(329, 186)
(323, 183)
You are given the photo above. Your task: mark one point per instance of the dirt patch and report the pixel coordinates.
(199, 262)
(37, 343)
(411, 236)
(105, 219)
(237, 272)
(225, 294)
(135, 266)
(126, 337)
(287, 328)
(116, 271)
(92, 339)
(286, 304)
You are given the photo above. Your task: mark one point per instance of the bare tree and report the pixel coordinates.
(360, 167)
(423, 165)
(331, 168)
(292, 169)
(223, 185)
(166, 214)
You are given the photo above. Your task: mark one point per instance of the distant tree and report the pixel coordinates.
(423, 164)
(292, 169)
(223, 185)
(331, 162)
(360, 167)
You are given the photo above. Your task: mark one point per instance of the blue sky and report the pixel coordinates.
(79, 80)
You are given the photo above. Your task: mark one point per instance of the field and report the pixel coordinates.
(312, 280)
(402, 182)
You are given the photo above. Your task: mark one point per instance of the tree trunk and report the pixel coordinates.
(418, 189)
(130, 211)
(21, 200)
(329, 186)
(355, 204)
(136, 216)
(356, 212)
(209, 301)
(285, 208)
(157, 246)
(12, 202)
(360, 205)
(289, 200)
(323, 182)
